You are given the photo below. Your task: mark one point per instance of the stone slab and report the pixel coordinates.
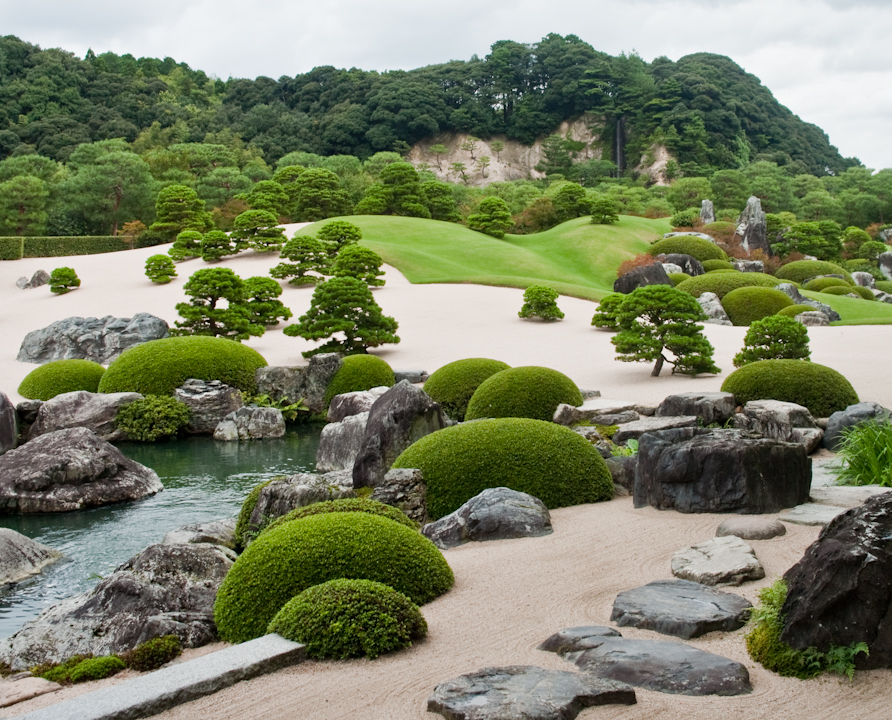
(634, 430)
(812, 514)
(751, 527)
(845, 495)
(26, 688)
(594, 410)
(724, 560)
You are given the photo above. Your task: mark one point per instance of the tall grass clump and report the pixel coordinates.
(867, 453)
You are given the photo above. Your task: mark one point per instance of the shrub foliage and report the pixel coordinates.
(721, 283)
(359, 372)
(154, 417)
(688, 245)
(526, 392)
(776, 337)
(365, 505)
(453, 385)
(748, 304)
(61, 376)
(540, 301)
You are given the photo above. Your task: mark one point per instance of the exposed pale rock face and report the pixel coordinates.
(340, 443)
(721, 561)
(300, 383)
(752, 227)
(208, 402)
(713, 308)
(82, 409)
(251, 423)
(21, 557)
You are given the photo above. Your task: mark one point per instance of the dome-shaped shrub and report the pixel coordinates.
(819, 388)
(721, 283)
(678, 278)
(801, 270)
(359, 372)
(710, 265)
(372, 507)
(746, 304)
(862, 292)
(722, 270)
(548, 461)
(61, 376)
(350, 618)
(159, 367)
(688, 245)
(295, 556)
(529, 392)
(794, 310)
(453, 385)
(820, 284)
(885, 286)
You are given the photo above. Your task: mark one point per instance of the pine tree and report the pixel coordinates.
(776, 337)
(540, 301)
(201, 316)
(160, 269)
(360, 262)
(262, 296)
(492, 217)
(307, 255)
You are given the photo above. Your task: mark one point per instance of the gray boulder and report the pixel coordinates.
(713, 309)
(398, 418)
(688, 263)
(165, 590)
(812, 318)
(640, 277)
(622, 470)
(779, 420)
(577, 638)
(251, 423)
(208, 402)
(353, 403)
(702, 236)
(702, 470)
(340, 443)
(100, 340)
(495, 514)
(749, 265)
(39, 278)
(671, 268)
(864, 279)
(21, 557)
(885, 262)
(597, 410)
(750, 527)
(634, 430)
(94, 411)
(412, 376)
(709, 407)
(721, 561)
(8, 426)
(280, 497)
(885, 235)
(707, 212)
(26, 411)
(70, 470)
(752, 227)
(851, 416)
(404, 488)
(819, 514)
(799, 299)
(300, 383)
(216, 532)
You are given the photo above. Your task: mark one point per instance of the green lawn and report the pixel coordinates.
(855, 312)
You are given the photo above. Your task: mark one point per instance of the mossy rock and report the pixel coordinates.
(159, 367)
(794, 310)
(295, 556)
(819, 388)
(372, 507)
(748, 304)
(721, 283)
(243, 526)
(801, 270)
(527, 392)
(548, 461)
(678, 278)
(61, 376)
(710, 265)
(688, 245)
(453, 385)
(861, 292)
(357, 373)
(820, 284)
(350, 618)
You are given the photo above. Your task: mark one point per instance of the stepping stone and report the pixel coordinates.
(720, 561)
(812, 514)
(634, 430)
(25, 689)
(845, 495)
(680, 607)
(748, 527)
(523, 692)
(577, 638)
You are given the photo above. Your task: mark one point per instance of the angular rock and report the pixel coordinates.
(864, 279)
(751, 528)
(404, 488)
(38, 279)
(752, 227)
(340, 443)
(216, 532)
(21, 557)
(577, 638)
(851, 416)
(208, 402)
(682, 608)
(82, 409)
(671, 268)
(885, 262)
(779, 420)
(702, 236)
(812, 318)
(353, 403)
(280, 497)
(798, 298)
(70, 470)
(885, 235)
(701, 470)
(622, 470)
(588, 432)
(251, 423)
(812, 514)
(100, 340)
(709, 407)
(9, 433)
(495, 514)
(300, 383)
(523, 692)
(634, 430)
(845, 495)
(398, 418)
(721, 561)
(22, 283)
(749, 265)
(688, 263)
(412, 376)
(713, 309)
(640, 277)
(596, 410)
(707, 212)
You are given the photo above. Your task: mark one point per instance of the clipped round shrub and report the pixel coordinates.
(63, 280)
(359, 372)
(819, 388)
(243, 526)
(794, 310)
(721, 270)
(160, 269)
(885, 286)
(153, 417)
(365, 505)
(453, 384)
(747, 304)
(350, 618)
(801, 270)
(97, 668)
(61, 376)
(709, 265)
(775, 337)
(685, 218)
(820, 284)
(152, 654)
(862, 292)
(548, 461)
(295, 556)
(159, 367)
(721, 283)
(678, 278)
(524, 392)
(688, 245)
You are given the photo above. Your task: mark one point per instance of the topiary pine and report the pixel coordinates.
(359, 262)
(307, 254)
(539, 301)
(492, 217)
(160, 269)
(776, 337)
(261, 295)
(187, 245)
(607, 314)
(605, 210)
(258, 229)
(658, 318)
(338, 234)
(216, 245)
(344, 305)
(201, 316)
(63, 280)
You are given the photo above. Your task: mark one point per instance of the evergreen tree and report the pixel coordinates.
(179, 208)
(307, 254)
(259, 230)
(187, 245)
(262, 296)
(540, 301)
(338, 234)
(776, 337)
(63, 280)
(440, 201)
(571, 202)
(23, 206)
(360, 262)
(267, 195)
(604, 210)
(160, 269)
(202, 316)
(319, 196)
(216, 245)
(492, 217)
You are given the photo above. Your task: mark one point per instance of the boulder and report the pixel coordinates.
(846, 496)
(21, 557)
(398, 418)
(26, 411)
(749, 527)
(713, 309)
(682, 608)
(671, 268)
(864, 279)
(752, 228)
(639, 277)
(589, 433)
(702, 236)
(9, 433)
(70, 470)
(812, 318)
(208, 402)
(353, 403)
(25, 688)
(622, 470)
(340, 442)
(749, 265)
(577, 638)
(851, 416)
(413, 376)
(707, 212)
(495, 514)
(882, 296)
(404, 488)
(818, 514)
(885, 262)
(779, 420)
(634, 430)
(721, 561)
(251, 423)
(100, 340)
(596, 410)
(709, 407)
(703, 470)
(798, 298)
(688, 263)
(164, 590)
(94, 411)
(39, 278)
(300, 383)
(280, 497)
(216, 532)
(885, 235)
(523, 692)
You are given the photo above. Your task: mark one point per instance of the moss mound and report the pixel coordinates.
(61, 376)
(154, 653)
(822, 283)
(159, 367)
(243, 526)
(747, 304)
(821, 389)
(802, 270)
(97, 668)
(678, 278)
(453, 385)
(350, 618)
(794, 310)
(295, 556)
(710, 265)
(359, 372)
(527, 392)
(885, 286)
(862, 292)
(721, 283)
(548, 461)
(687, 245)
(364, 505)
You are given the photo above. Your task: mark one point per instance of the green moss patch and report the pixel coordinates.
(61, 376)
(453, 385)
(357, 373)
(530, 392)
(747, 304)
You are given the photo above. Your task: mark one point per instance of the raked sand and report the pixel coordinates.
(509, 595)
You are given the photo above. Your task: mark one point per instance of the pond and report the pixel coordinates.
(203, 480)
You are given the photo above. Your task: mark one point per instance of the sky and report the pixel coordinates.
(826, 60)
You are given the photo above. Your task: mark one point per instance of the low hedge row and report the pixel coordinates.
(15, 248)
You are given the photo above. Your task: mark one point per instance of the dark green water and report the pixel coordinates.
(203, 480)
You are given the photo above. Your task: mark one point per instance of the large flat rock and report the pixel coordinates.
(845, 495)
(812, 514)
(21, 557)
(721, 561)
(597, 410)
(634, 430)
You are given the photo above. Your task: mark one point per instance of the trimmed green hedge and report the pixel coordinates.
(359, 372)
(372, 507)
(747, 304)
(819, 388)
(820, 284)
(721, 283)
(295, 556)
(526, 392)
(794, 310)
(453, 385)
(802, 270)
(12, 248)
(710, 265)
(61, 376)
(350, 618)
(159, 367)
(863, 292)
(548, 461)
(688, 245)
(885, 286)
(97, 668)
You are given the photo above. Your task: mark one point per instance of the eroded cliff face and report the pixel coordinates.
(653, 163)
